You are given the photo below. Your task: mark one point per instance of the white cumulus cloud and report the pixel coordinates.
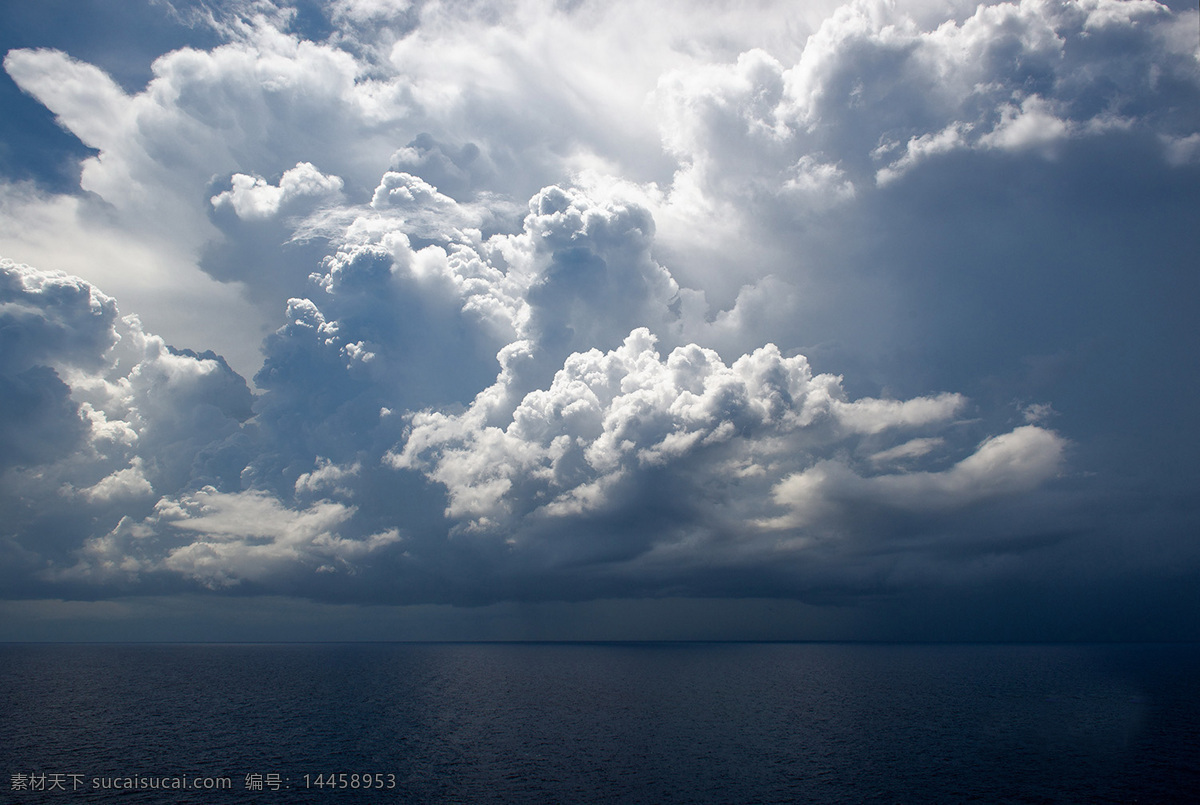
(252, 197)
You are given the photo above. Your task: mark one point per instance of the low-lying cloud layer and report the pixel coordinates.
(542, 323)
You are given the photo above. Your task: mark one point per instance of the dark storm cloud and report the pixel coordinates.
(539, 322)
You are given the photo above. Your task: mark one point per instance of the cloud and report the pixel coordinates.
(253, 198)
(50, 324)
(222, 539)
(100, 416)
(1182, 150)
(871, 80)
(151, 429)
(39, 419)
(70, 235)
(404, 190)
(127, 483)
(327, 476)
(249, 108)
(53, 318)
(250, 536)
(363, 11)
(1002, 466)
(610, 422)
(920, 148)
(914, 448)
(738, 136)
(1033, 126)
(537, 301)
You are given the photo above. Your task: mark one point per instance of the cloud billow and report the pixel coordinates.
(537, 334)
(343, 398)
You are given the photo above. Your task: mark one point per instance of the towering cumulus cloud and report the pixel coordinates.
(552, 303)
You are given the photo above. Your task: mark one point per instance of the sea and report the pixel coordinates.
(598, 723)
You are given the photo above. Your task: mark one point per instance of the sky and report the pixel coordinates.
(520, 319)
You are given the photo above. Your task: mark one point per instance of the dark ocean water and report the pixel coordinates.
(578, 723)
